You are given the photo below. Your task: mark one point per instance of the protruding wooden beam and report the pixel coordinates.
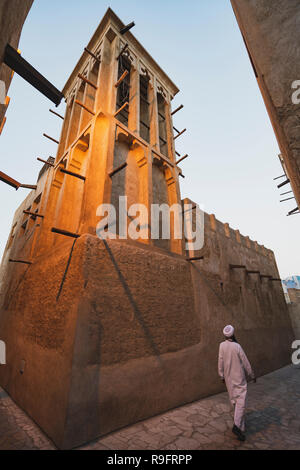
(92, 54)
(283, 184)
(28, 186)
(278, 177)
(71, 173)
(34, 214)
(180, 133)
(237, 266)
(65, 233)
(127, 28)
(19, 261)
(56, 114)
(294, 210)
(288, 192)
(196, 258)
(51, 138)
(116, 170)
(85, 107)
(87, 81)
(8, 180)
(122, 51)
(288, 199)
(45, 161)
(275, 279)
(123, 76)
(177, 109)
(181, 159)
(121, 109)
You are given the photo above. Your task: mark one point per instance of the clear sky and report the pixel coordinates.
(232, 147)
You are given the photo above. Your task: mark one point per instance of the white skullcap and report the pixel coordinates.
(228, 331)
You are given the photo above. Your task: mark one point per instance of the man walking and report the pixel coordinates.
(234, 369)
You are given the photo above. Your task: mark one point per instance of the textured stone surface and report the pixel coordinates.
(124, 341)
(12, 16)
(271, 31)
(272, 420)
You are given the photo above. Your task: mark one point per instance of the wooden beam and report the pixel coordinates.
(19, 261)
(45, 161)
(67, 172)
(121, 78)
(56, 114)
(275, 279)
(181, 159)
(34, 214)
(28, 186)
(65, 233)
(253, 272)
(51, 138)
(8, 180)
(122, 51)
(177, 109)
(196, 258)
(237, 266)
(85, 107)
(92, 54)
(87, 81)
(283, 184)
(180, 133)
(121, 167)
(265, 276)
(121, 109)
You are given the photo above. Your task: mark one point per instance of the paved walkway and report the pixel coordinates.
(273, 422)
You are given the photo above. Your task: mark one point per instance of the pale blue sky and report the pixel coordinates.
(232, 148)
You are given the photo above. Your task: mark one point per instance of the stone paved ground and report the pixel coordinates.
(273, 422)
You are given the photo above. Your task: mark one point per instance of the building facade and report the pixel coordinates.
(271, 34)
(13, 14)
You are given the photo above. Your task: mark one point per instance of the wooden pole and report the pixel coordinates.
(177, 109)
(121, 109)
(181, 159)
(45, 161)
(28, 186)
(10, 181)
(85, 107)
(92, 54)
(65, 233)
(180, 133)
(121, 167)
(19, 261)
(56, 114)
(122, 51)
(67, 172)
(51, 138)
(87, 81)
(33, 214)
(121, 78)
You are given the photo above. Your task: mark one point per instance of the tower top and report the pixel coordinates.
(110, 27)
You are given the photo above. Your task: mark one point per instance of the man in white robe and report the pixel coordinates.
(234, 369)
